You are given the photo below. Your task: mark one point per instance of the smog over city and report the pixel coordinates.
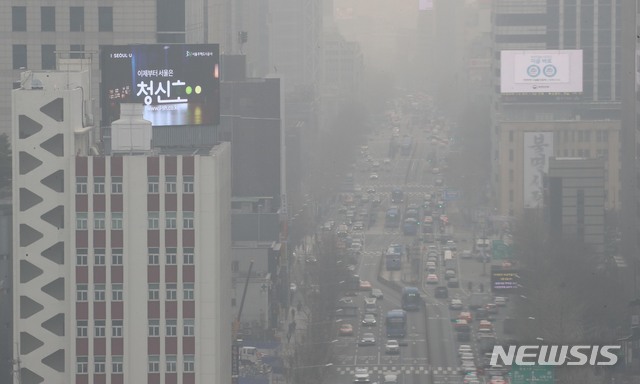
(320, 192)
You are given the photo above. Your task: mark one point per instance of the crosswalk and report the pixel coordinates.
(398, 369)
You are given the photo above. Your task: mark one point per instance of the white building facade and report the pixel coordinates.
(122, 263)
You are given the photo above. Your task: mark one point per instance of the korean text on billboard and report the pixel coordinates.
(538, 147)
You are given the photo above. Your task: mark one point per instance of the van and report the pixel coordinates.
(370, 305)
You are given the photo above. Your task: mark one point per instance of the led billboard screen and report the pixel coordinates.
(504, 279)
(538, 148)
(178, 84)
(541, 71)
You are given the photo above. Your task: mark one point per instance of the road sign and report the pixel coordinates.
(534, 374)
(500, 250)
(449, 195)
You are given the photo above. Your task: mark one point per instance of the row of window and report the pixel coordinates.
(99, 364)
(99, 292)
(170, 183)
(47, 53)
(581, 135)
(153, 220)
(48, 19)
(99, 256)
(100, 327)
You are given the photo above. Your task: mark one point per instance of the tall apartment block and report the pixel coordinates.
(121, 262)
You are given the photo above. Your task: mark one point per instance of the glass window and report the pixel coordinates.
(98, 184)
(77, 51)
(116, 256)
(187, 257)
(187, 184)
(511, 175)
(116, 364)
(154, 291)
(98, 220)
(81, 256)
(170, 220)
(81, 184)
(99, 326)
(48, 19)
(154, 363)
(19, 19)
(154, 256)
(116, 184)
(153, 184)
(153, 219)
(171, 291)
(189, 327)
(82, 292)
(116, 292)
(187, 289)
(187, 219)
(98, 292)
(116, 220)
(48, 54)
(511, 136)
(98, 256)
(511, 155)
(170, 183)
(116, 328)
(189, 363)
(171, 256)
(105, 19)
(172, 326)
(154, 327)
(81, 328)
(82, 364)
(76, 19)
(19, 56)
(171, 363)
(587, 135)
(98, 364)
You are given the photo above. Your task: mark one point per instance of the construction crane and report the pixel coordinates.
(235, 352)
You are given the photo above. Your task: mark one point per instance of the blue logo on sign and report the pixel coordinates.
(550, 70)
(533, 70)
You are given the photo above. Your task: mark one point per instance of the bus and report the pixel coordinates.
(392, 218)
(396, 323)
(393, 257)
(397, 196)
(410, 227)
(405, 147)
(411, 299)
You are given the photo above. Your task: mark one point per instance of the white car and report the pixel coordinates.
(367, 339)
(464, 348)
(466, 255)
(361, 375)
(293, 287)
(373, 176)
(369, 320)
(467, 356)
(455, 304)
(392, 346)
(432, 278)
(377, 293)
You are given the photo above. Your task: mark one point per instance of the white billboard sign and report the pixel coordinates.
(541, 71)
(425, 5)
(538, 148)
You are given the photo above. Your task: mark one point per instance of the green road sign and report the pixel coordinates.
(532, 374)
(500, 250)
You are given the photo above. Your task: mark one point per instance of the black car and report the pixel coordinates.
(453, 283)
(442, 292)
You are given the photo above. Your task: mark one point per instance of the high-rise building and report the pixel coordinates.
(592, 109)
(121, 262)
(35, 35)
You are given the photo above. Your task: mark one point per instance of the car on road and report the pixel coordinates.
(455, 304)
(346, 330)
(311, 260)
(491, 308)
(361, 376)
(465, 316)
(367, 339)
(453, 283)
(392, 347)
(432, 278)
(465, 348)
(432, 259)
(466, 254)
(467, 356)
(441, 292)
(431, 264)
(390, 379)
(365, 285)
(452, 245)
(358, 226)
(376, 202)
(468, 367)
(369, 320)
(497, 380)
(371, 190)
(373, 176)
(439, 182)
(377, 293)
(346, 300)
(485, 324)
(435, 170)
(293, 287)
